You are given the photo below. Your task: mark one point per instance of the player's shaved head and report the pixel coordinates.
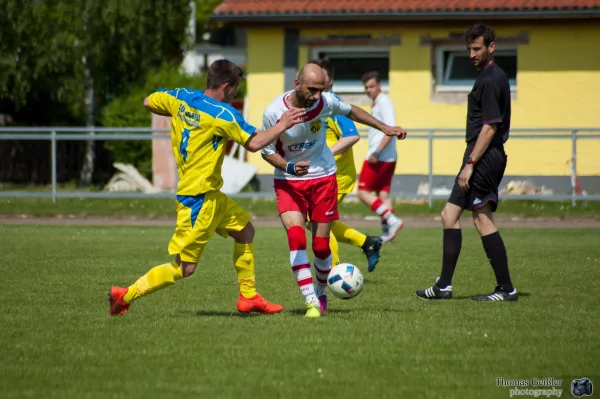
(311, 73)
(309, 85)
(329, 71)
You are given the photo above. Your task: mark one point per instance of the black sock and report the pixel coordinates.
(496, 253)
(452, 245)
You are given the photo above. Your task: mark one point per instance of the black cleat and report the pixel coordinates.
(499, 294)
(435, 292)
(371, 249)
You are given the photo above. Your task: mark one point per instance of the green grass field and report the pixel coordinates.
(162, 207)
(189, 342)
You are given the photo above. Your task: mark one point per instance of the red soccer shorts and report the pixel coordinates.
(376, 176)
(316, 198)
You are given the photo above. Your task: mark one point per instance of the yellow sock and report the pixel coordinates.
(157, 278)
(348, 235)
(243, 260)
(335, 250)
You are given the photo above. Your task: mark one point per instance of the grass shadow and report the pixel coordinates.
(297, 311)
(202, 313)
(464, 297)
(302, 312)
(367, 280)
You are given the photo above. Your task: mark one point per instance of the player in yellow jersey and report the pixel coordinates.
(201, 123)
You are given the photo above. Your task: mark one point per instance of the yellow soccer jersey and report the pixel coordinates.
(198, 126)
(337, 127)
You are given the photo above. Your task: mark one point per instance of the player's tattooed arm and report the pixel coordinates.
(295, 169)
(359, 115)
(261, 139)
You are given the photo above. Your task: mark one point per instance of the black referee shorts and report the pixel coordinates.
(483, 187)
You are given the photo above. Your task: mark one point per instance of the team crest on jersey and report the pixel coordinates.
(315, 126)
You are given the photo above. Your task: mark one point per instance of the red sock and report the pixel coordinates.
(322, 253)
(380, 208)
(300, 262)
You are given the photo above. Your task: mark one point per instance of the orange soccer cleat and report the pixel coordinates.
(117, 303)
(257, 304)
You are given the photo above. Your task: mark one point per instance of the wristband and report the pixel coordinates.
(290, 169)
(376, 153)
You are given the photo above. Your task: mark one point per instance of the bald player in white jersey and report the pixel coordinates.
(305, 182)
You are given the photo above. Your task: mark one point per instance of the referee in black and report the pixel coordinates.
(482, 169)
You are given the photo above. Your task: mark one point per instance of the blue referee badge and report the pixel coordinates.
(581, 387)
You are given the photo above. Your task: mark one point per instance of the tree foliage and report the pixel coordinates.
(204, 24)
(40, 70)
(50, 50)
(45, 46)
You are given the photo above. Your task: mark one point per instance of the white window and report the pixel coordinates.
(350, 63)
(454, 71)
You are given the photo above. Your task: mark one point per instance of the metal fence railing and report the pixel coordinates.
(55, 134)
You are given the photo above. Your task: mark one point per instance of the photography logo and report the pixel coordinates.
(536, 386)
(581, 387)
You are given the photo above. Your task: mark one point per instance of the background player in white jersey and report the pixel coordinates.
(315, 193)
(378, 169)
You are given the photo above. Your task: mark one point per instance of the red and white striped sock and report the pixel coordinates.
(300, 263)
(322, 263)
(386, 213)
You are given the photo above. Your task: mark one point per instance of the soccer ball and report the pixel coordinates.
(345, 281)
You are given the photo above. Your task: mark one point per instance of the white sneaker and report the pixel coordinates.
(394, 228)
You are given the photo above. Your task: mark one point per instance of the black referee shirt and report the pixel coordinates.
(489, 102)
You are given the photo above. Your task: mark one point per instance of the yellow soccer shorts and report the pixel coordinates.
(345, 186)
(199, 217)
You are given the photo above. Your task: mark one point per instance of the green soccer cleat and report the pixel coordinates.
(313, 311)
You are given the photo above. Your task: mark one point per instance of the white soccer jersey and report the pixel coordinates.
(305, 141)
(383, 110)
